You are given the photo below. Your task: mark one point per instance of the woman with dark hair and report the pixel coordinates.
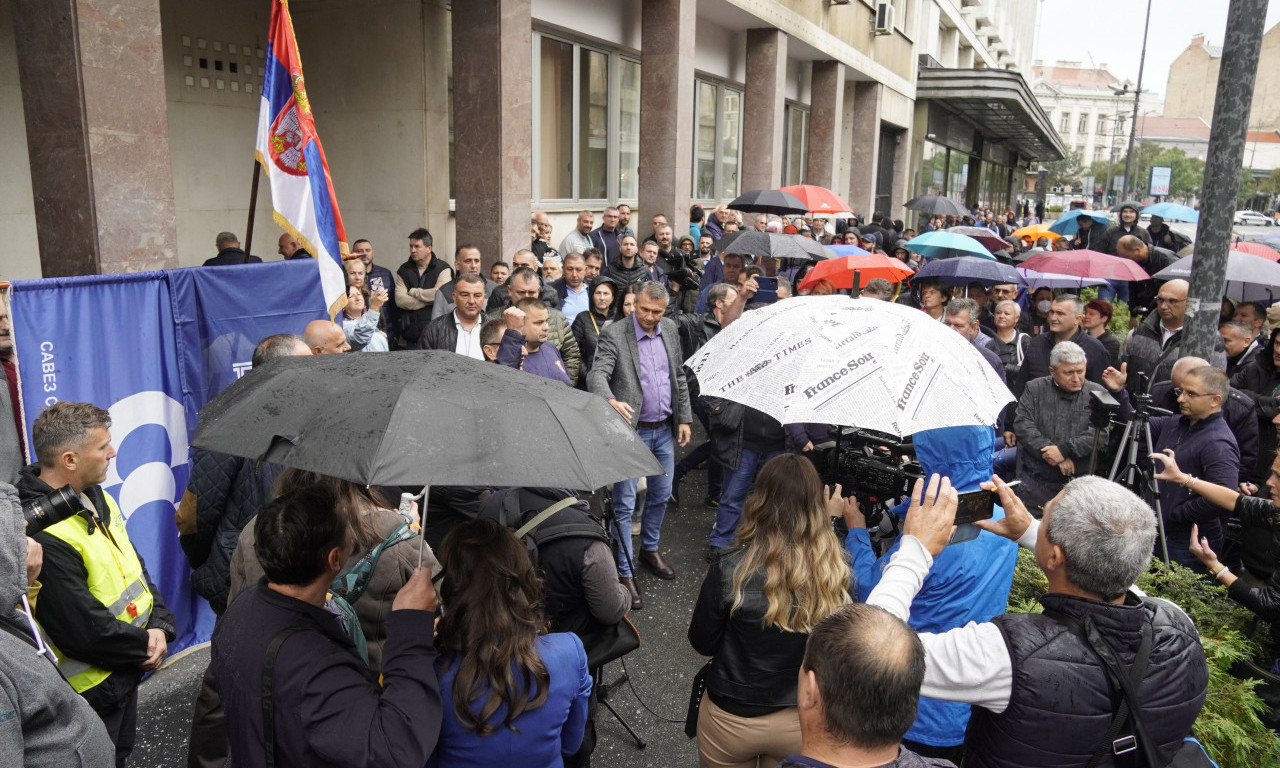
(374, 526)
(588, 325)
(786, 572)
(934, 297)
(627, 301)
(512, 693)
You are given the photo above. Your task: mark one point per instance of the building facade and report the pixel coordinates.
(129, 128)
(1193, 82)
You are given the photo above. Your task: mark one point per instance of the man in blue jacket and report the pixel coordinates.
(969, 581)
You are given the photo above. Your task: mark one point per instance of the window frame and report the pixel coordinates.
(790, 108)
(613, 142)
(717, 181)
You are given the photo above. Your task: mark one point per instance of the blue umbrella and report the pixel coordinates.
(941, 245)
(963, 270)
(1173, 212)
(848, 250)
(1068, 224)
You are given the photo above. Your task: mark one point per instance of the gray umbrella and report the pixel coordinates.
(751, 242)
(936, 204)
(423, 418)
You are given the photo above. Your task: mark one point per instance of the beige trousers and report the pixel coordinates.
(729, 741)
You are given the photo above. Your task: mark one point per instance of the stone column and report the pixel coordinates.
(666, 110)
(93, 95)
(493, 124)
(826, 113)
(763, 109)
(866, 141)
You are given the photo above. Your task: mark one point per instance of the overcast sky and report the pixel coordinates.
(1111, 32)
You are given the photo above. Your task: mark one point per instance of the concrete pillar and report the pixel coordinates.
(436, 30)
(493, 124)
(763, 109)
(93, 96)
(901, 176)
(826, 115)
(666, 110)
(865, 148)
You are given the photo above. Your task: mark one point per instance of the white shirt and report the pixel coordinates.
(1166, 334)
(969, 664)
(468, 343)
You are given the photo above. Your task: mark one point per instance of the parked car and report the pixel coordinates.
(1254, 218)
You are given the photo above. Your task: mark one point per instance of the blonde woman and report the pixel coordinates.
(786, 572)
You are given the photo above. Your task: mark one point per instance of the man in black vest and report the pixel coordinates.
(416, 282)
(229, 252)
(1041, 695)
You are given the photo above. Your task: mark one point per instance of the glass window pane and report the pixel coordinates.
(796, 145)
(629, 131)
(704, 157)
(959, 181)
(729, 149)
(555, 120)
(593, 130)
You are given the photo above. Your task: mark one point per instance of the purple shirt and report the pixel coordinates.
(655, 374)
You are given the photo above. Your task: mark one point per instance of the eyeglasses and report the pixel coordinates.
(1179, 392)
(1162, 300)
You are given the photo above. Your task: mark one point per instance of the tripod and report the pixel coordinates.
(1128, 470)
(613, 529)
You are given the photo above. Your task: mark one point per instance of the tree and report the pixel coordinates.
(1066, 172)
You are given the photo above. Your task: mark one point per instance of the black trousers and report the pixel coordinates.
(121, 720)
(209, 746)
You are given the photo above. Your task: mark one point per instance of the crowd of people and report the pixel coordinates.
(336, 644)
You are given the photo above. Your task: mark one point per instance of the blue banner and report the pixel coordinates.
(153, 348)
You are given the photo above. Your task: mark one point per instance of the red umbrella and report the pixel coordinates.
(990, 240)
(839, 271)
(819, 200)
(1084, 263)
(1256, 249)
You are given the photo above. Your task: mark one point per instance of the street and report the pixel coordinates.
(661, 669)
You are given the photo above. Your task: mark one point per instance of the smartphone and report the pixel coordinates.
(975, 505)
(375, 284)
(768, 291)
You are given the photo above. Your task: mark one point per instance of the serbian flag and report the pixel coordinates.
(289, 151)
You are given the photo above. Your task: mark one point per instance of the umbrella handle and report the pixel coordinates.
(422, 519)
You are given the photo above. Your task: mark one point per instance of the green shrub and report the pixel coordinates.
(1119, 325)
(1228, 725)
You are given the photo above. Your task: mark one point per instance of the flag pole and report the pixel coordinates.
(253, 207)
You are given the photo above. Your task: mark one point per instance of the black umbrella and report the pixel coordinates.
(423, 418)
(754, 243)
(935, 205)
(769, 201)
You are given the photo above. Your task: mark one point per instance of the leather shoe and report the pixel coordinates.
(630, 584)
(652, 560)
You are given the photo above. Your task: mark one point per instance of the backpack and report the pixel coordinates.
(535, 533)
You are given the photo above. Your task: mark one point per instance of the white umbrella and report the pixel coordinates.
(1036, 280)
(852, 362)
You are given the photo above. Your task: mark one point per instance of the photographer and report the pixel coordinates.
(1254, 512)
(969, 582)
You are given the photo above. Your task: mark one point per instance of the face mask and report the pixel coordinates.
(1044, 306)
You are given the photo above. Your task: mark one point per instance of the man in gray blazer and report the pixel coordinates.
(638, 370)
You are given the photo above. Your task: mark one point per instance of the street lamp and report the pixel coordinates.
(1137, 94)
(1111, 158)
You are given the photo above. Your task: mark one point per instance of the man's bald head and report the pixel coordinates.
(1183, 366)
(288, 245)
(325, 338)
(1133, 248)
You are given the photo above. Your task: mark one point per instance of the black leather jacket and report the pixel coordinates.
(754, 667)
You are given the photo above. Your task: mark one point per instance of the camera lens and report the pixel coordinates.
(50, 510)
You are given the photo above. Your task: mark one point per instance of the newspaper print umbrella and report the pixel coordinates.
(852, 362)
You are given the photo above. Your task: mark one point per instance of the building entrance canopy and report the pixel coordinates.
(999, 103)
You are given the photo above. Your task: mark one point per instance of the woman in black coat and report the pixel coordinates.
(588, 325)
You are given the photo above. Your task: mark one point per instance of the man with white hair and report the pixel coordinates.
(1039, 687)
(1054, 436)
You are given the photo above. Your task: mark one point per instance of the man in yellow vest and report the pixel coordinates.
(104, 617)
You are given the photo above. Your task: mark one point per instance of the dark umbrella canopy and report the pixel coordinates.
(754, 243)
(769, 201)
(423, 418)
(963, 270)
(936, 205)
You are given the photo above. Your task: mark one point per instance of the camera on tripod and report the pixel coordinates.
(877, 467)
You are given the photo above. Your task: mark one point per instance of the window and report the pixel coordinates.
(586, 123)
(1065, 124)
(717, 141)
(1083, 125)
(1103, 122)
(1097, 153)
(795, 142)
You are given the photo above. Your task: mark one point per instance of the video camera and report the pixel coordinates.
(877, 467)
(42, 512)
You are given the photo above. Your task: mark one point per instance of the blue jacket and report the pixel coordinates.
(542, 736)
(968, 581)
